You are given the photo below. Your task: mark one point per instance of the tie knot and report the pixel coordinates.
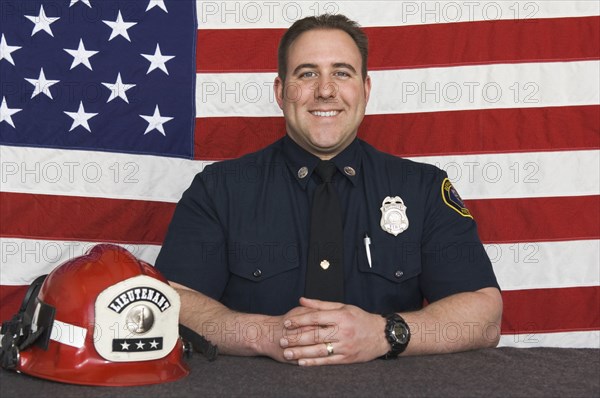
(325, 169)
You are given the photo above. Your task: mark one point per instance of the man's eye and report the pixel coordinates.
(307, 74)
(341, 74)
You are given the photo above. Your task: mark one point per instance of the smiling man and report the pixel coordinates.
(329, 252)
(324, 94)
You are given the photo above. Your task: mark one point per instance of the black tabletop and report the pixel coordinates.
(534, 372)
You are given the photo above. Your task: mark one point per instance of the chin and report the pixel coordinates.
(326, 146)
(325, 140)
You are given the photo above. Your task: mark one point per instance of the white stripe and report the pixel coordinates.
(68, 334)
(588, 339)
(536, 265)
(23, 260)
(522, 175)
(543, 265)
(494, 86)
(486, 176)
(95, 174)
(527, 85)
(281, 14)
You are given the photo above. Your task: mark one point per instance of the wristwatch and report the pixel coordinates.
(397, 334)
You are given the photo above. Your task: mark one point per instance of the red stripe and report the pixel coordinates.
(52, 217)
(10, 300)
(231, 137)
(85, 219)
(537, 219)
(551, 310)
(420, 134)
(485, 131)
(505, 41)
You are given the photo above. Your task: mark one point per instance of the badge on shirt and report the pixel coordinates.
(453, 199)
(393, 215)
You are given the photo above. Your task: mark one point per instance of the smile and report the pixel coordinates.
(324, 114)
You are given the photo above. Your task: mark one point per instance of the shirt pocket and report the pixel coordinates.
(264, 278)
(260, 262)
(396, 263)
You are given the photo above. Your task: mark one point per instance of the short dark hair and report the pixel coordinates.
(325, 21)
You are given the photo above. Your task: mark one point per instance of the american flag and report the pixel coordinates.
(109, 108)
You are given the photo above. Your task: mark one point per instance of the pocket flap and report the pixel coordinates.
(396, 263)
(260, 261)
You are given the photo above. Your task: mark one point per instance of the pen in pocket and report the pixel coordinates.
(367, 241)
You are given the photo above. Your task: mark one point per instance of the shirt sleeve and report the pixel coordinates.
(194, 251)
(453, 257)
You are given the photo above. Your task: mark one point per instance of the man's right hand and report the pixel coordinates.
(237, 333)
(273, 332)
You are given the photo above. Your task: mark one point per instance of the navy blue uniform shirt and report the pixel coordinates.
(240, 232)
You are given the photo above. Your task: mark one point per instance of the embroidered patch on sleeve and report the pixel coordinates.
(453, 199)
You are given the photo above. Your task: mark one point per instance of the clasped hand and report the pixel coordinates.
(326, 333)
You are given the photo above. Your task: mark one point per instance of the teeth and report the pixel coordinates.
(325, 114)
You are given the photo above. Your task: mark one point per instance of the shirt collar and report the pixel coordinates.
(302, 163)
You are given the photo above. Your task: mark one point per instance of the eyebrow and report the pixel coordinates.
(314, 66)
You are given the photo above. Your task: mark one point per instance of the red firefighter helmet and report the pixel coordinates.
(105, 318)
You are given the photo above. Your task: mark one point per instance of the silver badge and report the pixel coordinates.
(139, 319)
(393, 215)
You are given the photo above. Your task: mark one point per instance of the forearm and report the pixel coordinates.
(233, 332)
(459, 322)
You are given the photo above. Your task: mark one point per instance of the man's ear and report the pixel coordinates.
(367, 88)
(278, 90)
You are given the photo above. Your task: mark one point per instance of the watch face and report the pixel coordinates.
(401, 333)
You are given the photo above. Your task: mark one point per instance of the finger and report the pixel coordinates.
(300, 310)
(319, 304)
(314, 319)
(308, 336)
(309, 352)
(331, 360)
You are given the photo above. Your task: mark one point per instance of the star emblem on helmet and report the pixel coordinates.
(124, 346)
(140, 345)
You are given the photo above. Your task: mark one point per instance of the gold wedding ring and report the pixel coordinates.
(329, 348)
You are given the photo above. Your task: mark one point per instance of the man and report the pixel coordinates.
(238, 249)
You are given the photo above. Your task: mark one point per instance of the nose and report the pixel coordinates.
(325, 89)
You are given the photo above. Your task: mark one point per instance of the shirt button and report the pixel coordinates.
(302, 172)
(399, 274)
(349, 171)
(257, 273)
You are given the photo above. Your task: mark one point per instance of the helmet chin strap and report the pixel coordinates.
(23, 330)
(199, 343)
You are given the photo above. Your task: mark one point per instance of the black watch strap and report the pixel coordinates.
(397, 334)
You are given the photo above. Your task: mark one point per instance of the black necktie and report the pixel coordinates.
(325, 272)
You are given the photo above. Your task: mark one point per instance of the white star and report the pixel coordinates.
(157, 60)
(42, 22)
(118, 89)
(156, 121)
(86, 2)
(140, 345)
(81, 117)
(42, 85)
(119, 27)
(125, 346)
(81, 55)
(6, 113)
(159, 3)
(6, 50)
(154, 344)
